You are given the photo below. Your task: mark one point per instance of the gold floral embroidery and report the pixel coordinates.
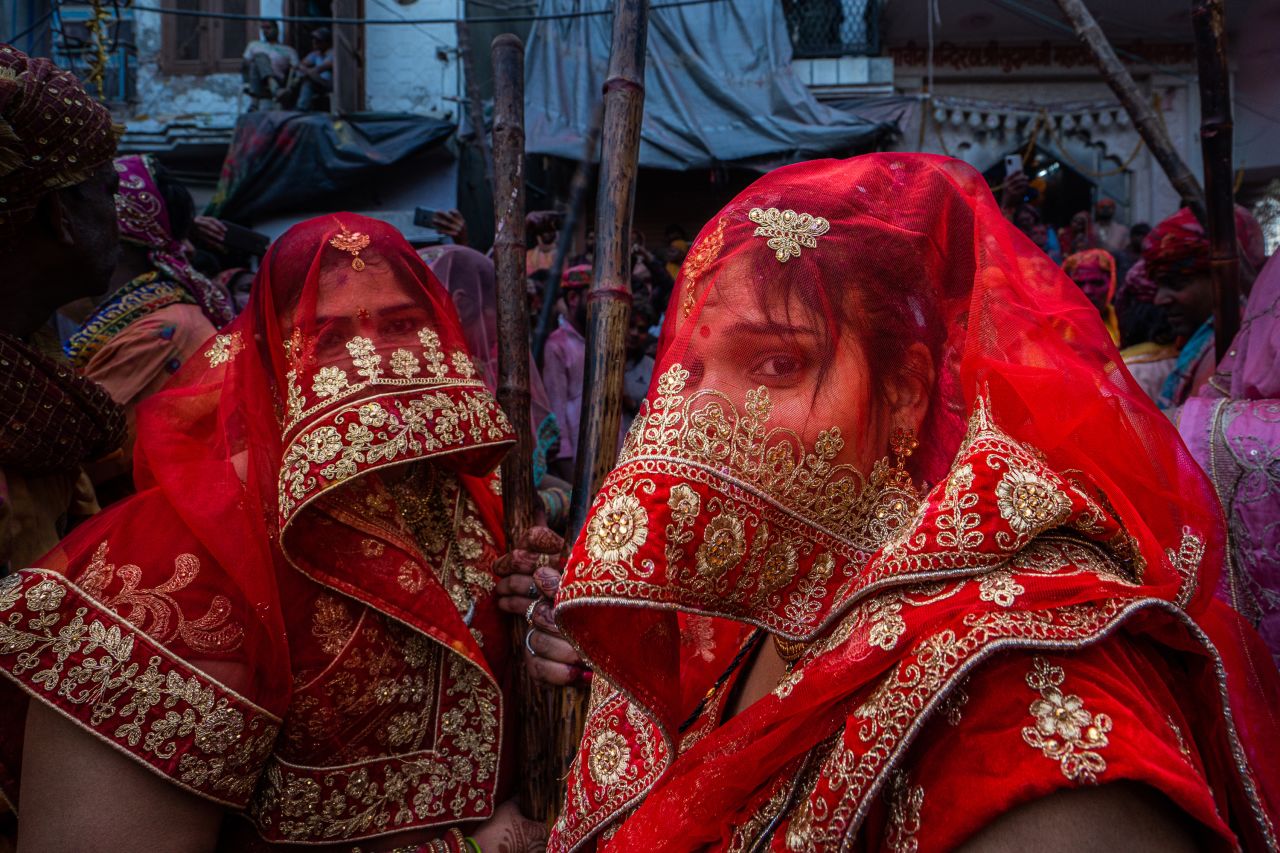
(1029, 502)
(700, 257)
(382, 431)
(155, 610)
(332, 623)
(706, 428)
(608, 758)
(1000, 587)
(639, 758)
(224, 348)
(454, 542)
(617, 529)
(351, 241)
(403, 784)
(723, 546)
(896, 704)
(331, 383)
(130, 694)
(1064, 730)
(788, 231)
(905, 802)
(1186, 560)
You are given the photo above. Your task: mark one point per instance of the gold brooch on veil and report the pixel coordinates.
(788, 231)
(353, 242)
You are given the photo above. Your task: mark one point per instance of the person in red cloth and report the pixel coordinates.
(58, 236)
(898, 557)
(289, 635)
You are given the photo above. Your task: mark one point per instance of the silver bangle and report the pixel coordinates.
(529, 646)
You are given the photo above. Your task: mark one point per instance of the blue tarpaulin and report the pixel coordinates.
(719, 88)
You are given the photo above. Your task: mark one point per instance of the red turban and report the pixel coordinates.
(52, 133)
(1180, 246)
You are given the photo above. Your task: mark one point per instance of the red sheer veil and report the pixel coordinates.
(803, 307)
(348, 360)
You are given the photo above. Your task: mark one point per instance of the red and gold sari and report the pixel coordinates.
(1032, 610)
(294, 617)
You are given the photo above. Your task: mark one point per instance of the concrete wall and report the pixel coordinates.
(413, 68)
(409, 69)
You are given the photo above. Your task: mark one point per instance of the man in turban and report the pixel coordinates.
(1176, 255)
(58, 236)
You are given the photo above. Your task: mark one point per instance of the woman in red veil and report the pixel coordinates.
(898, 556)
(294, 620)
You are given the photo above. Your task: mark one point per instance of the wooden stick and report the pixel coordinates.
(475, 106)
(577, 199)
(609, 302)
(539, 784)
(1208, 22)
(609, 299)
(1140, 112)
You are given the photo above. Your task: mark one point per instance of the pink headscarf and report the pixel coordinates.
(472, 282)
(1252, 361)
(144, 221)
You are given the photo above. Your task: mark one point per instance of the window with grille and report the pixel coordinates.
(833, 27)
(203, 45)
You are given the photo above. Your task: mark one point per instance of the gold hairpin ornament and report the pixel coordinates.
(353, 242)
(788, 231)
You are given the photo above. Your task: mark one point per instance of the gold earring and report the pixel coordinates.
(903, 443)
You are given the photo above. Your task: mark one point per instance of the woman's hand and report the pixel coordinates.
(529, 577)
(508, 831)
(209, 232)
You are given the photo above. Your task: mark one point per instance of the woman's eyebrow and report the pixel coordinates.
(768, 327)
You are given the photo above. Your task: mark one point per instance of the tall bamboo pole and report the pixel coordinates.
(609, 299)
(1140, 112)
(577, 199)
(1208, 21)
(539, 784)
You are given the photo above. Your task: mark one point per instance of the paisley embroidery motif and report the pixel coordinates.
(155, 610)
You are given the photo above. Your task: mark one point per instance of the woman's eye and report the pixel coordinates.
(402, 326)
(329, 341)
(778, 367)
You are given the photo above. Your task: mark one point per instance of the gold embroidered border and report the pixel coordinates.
(429, 788)
(897, 710)
(64, 649)
(375, 432)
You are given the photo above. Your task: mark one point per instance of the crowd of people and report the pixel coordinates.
(919, 537)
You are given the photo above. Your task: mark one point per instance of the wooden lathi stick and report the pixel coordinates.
(609, 299)
(1209, 22)
(1140, 112)
(577, 198)
(539, 782)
